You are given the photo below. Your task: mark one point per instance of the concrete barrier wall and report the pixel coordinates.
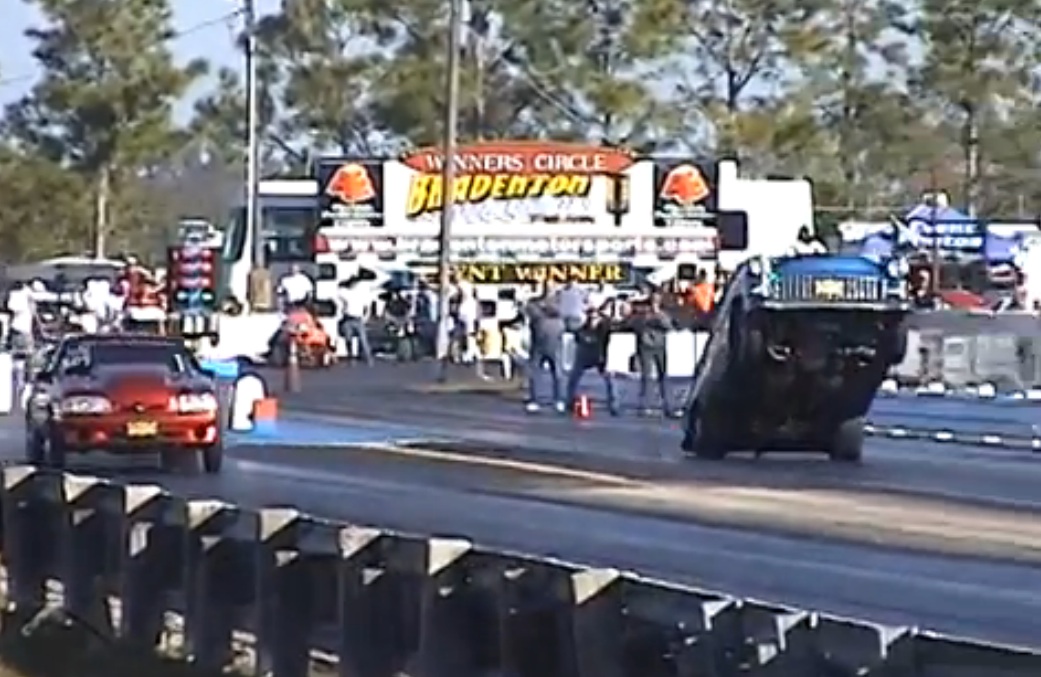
(957, 349)
(287, 589)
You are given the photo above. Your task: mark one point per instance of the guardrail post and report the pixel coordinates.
(361, 572)
(777, 640)
(218, 579)
(151, 562)
(947, 656)
(445, 631)
(88, 537)
(596, 624)
(397, 607)
(680, 631)
(28, 545)
(291, 552)
(534, 616)
(859, 648)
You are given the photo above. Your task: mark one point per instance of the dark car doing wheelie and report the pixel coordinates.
(798, 350)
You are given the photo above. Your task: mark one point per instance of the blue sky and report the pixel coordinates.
(213, 42)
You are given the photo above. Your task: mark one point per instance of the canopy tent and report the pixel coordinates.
(1002, 249)
(877, 242)
(947, 230)
(925, 227)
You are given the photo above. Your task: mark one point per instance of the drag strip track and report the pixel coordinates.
(650, 448)
(965, 596)
(561, 489)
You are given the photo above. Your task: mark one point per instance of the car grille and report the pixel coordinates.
(142, 407)
(820, 288)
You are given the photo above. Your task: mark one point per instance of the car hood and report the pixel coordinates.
(135, 383)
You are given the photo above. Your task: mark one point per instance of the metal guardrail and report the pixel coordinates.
(377, 603)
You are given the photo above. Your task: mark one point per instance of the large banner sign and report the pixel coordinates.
(511, 272)
(512, 182)
(511, 195)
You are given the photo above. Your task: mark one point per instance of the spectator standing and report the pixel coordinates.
(571, 300)
(652, 327)
(23, 309)
(467, 317)
(296, 288)
(353, 301)
(703, 299)
(591, 340)
(546, 349)
(806, 243)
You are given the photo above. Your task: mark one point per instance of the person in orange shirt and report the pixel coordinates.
(704, 294)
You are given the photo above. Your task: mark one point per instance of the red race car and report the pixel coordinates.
(123, 394)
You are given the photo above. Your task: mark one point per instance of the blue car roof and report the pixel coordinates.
(828, 265)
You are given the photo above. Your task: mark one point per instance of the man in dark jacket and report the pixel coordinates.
(547, 343)
(652, 327)
(591, 340)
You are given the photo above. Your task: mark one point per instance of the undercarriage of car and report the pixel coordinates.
(796, 380)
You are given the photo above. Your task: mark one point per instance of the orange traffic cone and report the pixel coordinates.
(583, 407)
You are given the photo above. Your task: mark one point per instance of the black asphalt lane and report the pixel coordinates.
(960, 595)
(998, 602)
(649, 448)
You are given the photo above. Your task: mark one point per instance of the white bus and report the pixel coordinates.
(288, 215)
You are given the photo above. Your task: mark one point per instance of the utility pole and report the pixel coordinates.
(478, 33)
(259, 276)
(451, 122)
(937, 269)
(101, 210)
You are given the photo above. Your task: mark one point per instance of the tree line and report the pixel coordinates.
(876, 100)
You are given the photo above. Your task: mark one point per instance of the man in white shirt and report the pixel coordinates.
(20, 305)
(296, 288)
(353, 300)
(96, 300)
(572, 300)
(468, 312)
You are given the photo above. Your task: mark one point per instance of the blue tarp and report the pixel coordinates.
(222, 369)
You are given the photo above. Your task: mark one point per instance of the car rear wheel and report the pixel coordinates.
(701, 438)
(847, 445)
(212, 458)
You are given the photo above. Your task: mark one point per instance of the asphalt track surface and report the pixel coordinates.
(929, 535)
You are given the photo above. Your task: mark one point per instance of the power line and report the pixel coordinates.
(176, 35)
